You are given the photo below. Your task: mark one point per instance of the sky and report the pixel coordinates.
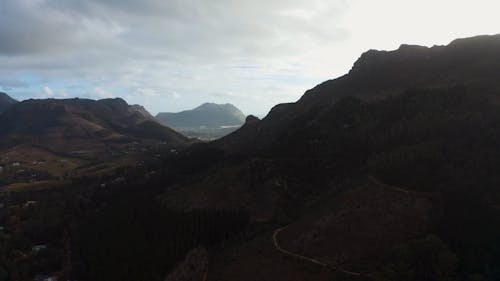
(172, 55)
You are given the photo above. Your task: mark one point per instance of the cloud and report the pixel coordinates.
(101, 93)
(166, 29)
(48, 92)
(164, 49)
(175, 54)
(10, 83)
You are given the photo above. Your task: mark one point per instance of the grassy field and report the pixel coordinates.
(36, 185)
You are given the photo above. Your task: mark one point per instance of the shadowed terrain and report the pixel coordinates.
(387, 173)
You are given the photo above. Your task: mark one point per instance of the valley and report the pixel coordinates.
(387, 173)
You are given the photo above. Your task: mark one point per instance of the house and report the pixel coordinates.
(43, 277)
(120, 179)
(29, 203)
(38, 248)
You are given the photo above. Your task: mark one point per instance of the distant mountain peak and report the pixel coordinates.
(6, 97)
(211, 105)
(210, 119)
(6, 101)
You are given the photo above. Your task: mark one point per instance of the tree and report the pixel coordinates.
(426, 259)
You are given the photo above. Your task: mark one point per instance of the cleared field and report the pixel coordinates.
(37, 185)
(38, 159)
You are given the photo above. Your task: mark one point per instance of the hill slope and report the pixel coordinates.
(472, 62)
(208, 120)
(366, 171)
(81, 124)
(6, 101)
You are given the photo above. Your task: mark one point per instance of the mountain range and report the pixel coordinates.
(66, 138)
(471, 62)
(399, 152)
(207, 121)
(80, 123)
(388, 173)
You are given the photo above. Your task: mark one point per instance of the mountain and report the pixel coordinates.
(207, 121)
(140, 109)
(369, 175)
(74, 124)
(387, 173)
(471, 62)
(6, 101)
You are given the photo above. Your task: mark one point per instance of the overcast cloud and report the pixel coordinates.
(171, 55)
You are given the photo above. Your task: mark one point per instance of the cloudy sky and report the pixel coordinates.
(170, 55)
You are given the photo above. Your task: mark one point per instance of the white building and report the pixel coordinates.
(38, 248)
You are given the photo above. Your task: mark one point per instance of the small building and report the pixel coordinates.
(29, 203)
(1, 169)
(38, 248)
(16, 164)
(120, 179)
(43, 277)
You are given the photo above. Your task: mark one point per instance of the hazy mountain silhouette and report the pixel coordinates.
(207, 121)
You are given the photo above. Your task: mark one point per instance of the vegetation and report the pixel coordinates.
(439, 141)
(139, 240)
(298, 164)
(426, 259)
(117, 232)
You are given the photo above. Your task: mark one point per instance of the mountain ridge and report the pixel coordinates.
(91, 121)
(6, 101)
(473, 62)
(365, 171)
(209, 120)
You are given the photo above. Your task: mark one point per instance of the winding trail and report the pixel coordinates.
(278, 247)
(336, 268)
(311, 260)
